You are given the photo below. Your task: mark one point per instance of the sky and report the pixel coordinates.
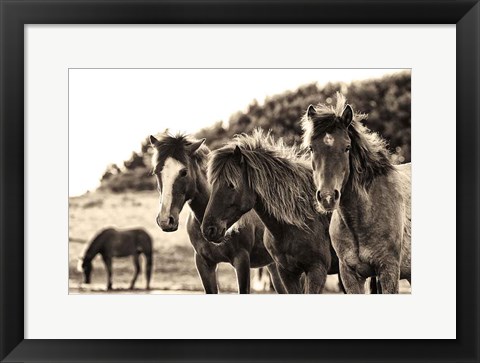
(111, 111)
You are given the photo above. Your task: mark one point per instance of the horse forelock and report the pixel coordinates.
(369, 155)
(177, 147)
(326, 118)
(279, 175)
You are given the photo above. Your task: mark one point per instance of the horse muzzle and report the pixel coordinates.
(213, 233)
(328, 200)
(169, 224)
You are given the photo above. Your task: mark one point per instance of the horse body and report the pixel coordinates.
(246, 238)
(368, 196)
(385, 216)
(242, 247)
(111, 243)
(254, 172)
(295, 254)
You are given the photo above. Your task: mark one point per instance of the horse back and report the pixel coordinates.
(123, 243)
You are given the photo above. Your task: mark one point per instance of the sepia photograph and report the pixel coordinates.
(162, 158)
(239, 181)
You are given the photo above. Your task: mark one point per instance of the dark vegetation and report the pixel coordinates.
(385, 100)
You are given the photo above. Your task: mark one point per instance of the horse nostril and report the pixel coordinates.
(336, 194)
(171, 221)
(211, 231)
(319, 196)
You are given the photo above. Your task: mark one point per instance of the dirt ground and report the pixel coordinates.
(174, 270)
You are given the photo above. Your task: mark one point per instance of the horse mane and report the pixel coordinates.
(280, 175)
(369, 155)
(176, 146)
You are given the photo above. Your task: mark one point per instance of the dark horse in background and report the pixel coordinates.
(110, 243)
(180, 168)
(256, 172)
(369, 196)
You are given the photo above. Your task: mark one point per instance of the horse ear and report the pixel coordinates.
(237, 153)
(153, 141)
(347, 115)
(311, 111)
(194, 147)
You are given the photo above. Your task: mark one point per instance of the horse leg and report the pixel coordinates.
(340, 284)
(353, 283)
(375, 287)
(291, 281)
(389, 277)
(108, 265)
(241, 263)
(208, 274)
(315, 279)
(136, 265)
(276, 280)
(148, 269)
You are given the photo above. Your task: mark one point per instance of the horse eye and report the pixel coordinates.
(310, 148)
(347, 149)
(183, 172)
(231, 186)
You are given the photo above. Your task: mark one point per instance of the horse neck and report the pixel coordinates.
(92, 250)
(198, 203)
(272, 223)
(353, 205)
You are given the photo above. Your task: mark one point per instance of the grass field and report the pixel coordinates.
(173, 257)
(174, 270)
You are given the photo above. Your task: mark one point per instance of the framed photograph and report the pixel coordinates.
(199, 181)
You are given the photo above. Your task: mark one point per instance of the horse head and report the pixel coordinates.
(330, 146)
(176, 170)
(85, 266)
(230, 197)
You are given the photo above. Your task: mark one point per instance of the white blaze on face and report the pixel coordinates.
(328, 139)
(170, 172)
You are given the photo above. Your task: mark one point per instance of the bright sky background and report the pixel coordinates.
(111, 111)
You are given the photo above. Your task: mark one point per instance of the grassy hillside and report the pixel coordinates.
(386, 101)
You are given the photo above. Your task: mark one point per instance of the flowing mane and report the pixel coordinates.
(279, 174)
(176, 146)
(369, 156)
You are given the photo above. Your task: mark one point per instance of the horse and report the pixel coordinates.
(110, 243)
(179, 164)
(258, 173)
(369, 196)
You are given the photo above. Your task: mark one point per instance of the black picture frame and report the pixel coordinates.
(15, 14)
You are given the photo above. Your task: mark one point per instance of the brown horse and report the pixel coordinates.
(180, 168)
(110, 243)
(368, 195)
(256, 172)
